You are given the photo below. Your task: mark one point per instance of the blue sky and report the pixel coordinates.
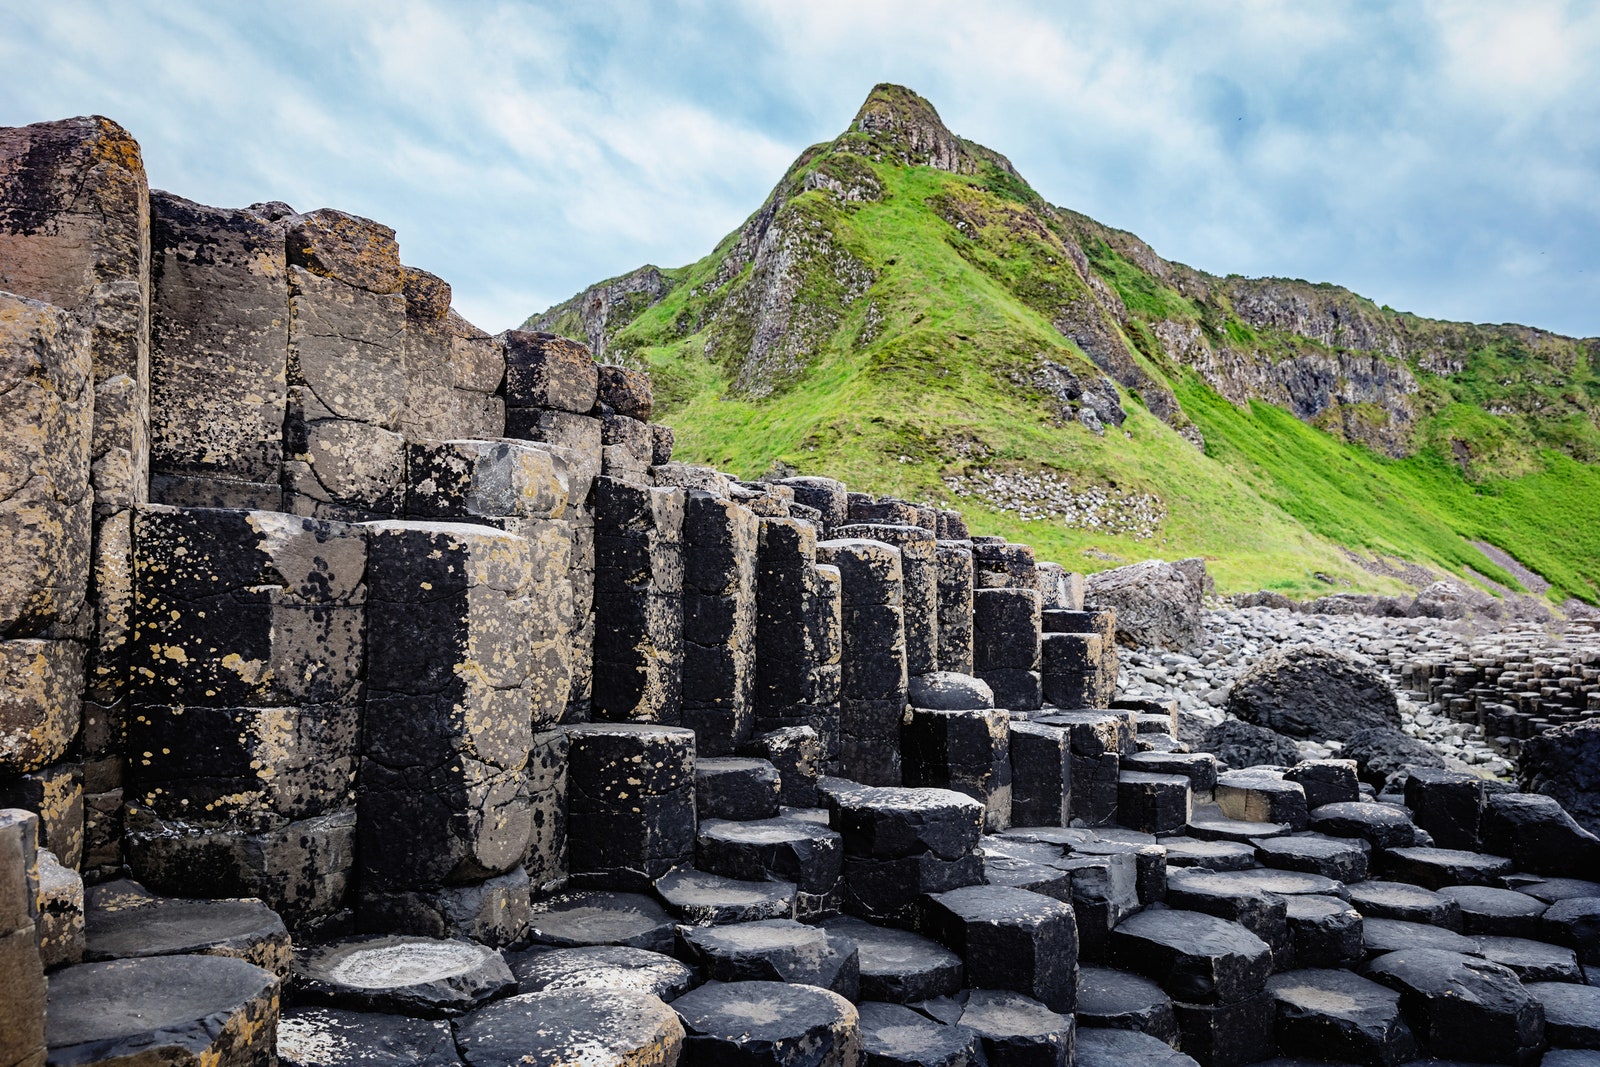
(1439, 157)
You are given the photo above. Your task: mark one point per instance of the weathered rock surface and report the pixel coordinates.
(1158, 604)
(1313, 693)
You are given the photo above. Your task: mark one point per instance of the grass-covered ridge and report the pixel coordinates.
(906, 314)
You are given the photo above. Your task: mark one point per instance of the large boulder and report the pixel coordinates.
(1242, 744)
(1309, 692)
(1381, 752)
(1158, 604)
(1564, 763)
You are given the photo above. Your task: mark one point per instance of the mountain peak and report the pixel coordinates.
(897, 122)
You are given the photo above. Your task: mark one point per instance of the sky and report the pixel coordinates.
(1440, 157)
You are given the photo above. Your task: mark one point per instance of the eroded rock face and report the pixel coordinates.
(1565, 763)
(1313, 693)
(1158, 604)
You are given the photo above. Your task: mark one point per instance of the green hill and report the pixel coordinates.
(905, 313)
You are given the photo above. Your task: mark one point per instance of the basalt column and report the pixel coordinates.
(527, 489)
(719, 622)
(1079, 658)
(638, 586)
(1005, 625)
(46, 511)
(953, 560)
(219, 350)
(344, 457)
(920, 572)
(798, 636)
(75, 233)
(873, 691)
(245, 734)
(453, 369)
(445, 814)
(551, 387)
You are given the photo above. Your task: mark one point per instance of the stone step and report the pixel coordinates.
(898, 966)
(1201, 768)
(1262, 796)
(1324, 931)
(406, 975)
(702, 899)
(968, 751)
(787, 849)
(1379, 825)
(1485, 910)
(1405, 902)
(1551, 890)
(1226, 1035)
(1154, 803)
(1395, 935)
(1100, 1047)
(1010, 939)
(774, 950)
(1119, 1000)
(768, 1024)
(1336, 1015)
(162, 1009)
(1342, 859)
(1014, 1030)
(616, 968)
(1208, 823)
(1223, 895)
(1571, 1013)
(625, 1029)
(168, 926)
(1435, 868)
(1574, 923)
(890, 822)
(596, 917)
(1463, 1007)
(1532, 961)
(1197, 958)
(893, 1035)
(335, 1037)
(1218, 855)
(735, 788)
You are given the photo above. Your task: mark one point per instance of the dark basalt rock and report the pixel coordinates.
(1395, 935)
(949, 691)
(333, 1037)
(1227, 1035)
(609, 968)
(1552, 890)
(1010, 939)
(1209, 855)
(794, 850)
(1406, 903)
(1384, 751)
(1464, 1007)
(1313, 693)
(1436, 868)
(884, 822)
(1097, 1047)
(896, 1036)
(613, 1028)
(736, 788)
(1564, 763)
(1243, 744)
(1197, 958)
(1330, 1014)
(1324, 931)
(1539, 835)
(1341, 859)
(1379, 825)
(1016, 1031)
(1532, 961)
(701, 899)
(162, 1009)
(1575, 923)
(409, 975)
(1118, 1000)
(774, 950)
(242, 929)
(1226, 897)
(768, 1024)
(1262, 796)
(1571, 1013)
(898, 966)
(1485, 910)
(571, 920)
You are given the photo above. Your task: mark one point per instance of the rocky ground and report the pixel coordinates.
(1236, 637)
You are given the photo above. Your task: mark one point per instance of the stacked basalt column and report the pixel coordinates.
(74, 234)
(551, 386)
(1079, 657)
(445, 813)
(920, 587)
(873, 689)
(799, 642)
(1005, 622)
(953, 560)
(344, 456)
(22, 987)
(719, 622)
(828, 497)
(638, 592)
(453, 369)
(246, 728)
(530, 490)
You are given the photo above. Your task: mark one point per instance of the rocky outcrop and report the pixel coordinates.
(597, 313)
(1158, 604)
(1315, 693)
(1564, 763)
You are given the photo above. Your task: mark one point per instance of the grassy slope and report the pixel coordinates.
(933, 392)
